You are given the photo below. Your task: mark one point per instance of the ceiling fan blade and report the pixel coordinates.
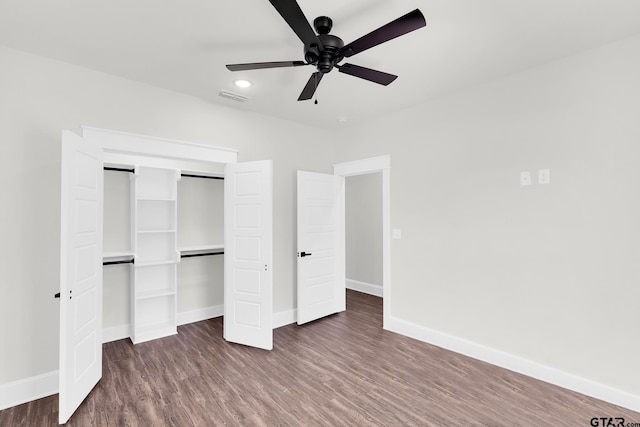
(311, 86)
(367, 74)
(260, 65)
(291, 12)
(403, 25)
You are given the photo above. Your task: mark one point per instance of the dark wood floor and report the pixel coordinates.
(343, 370)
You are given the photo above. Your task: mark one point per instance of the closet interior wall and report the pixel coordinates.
(200, 279)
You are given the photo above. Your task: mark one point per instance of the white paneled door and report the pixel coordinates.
(80, 272)
(321, 242)
(248, 278)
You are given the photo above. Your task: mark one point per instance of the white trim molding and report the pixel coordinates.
(365, 288)
(515, 363)
(200, 314)
(130, 143)
(115, 333)
(284, 318)
(28, 389)
(363, 166)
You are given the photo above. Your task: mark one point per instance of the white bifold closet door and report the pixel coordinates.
(321, 246)
(80, 272)
(248, 278)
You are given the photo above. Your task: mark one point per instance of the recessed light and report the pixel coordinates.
(243, 83)
(342, 119)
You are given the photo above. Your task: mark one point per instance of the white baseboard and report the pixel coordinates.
(28, 389)
(515, 363)
(200, 314)
(365, 288)
(115, 333)
(284, 318)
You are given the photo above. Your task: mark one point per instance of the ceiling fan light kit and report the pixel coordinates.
(325, 51)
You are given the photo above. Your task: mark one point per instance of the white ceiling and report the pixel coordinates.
(184, 45)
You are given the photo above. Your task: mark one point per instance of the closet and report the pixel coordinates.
(152, 258)
(172, 221)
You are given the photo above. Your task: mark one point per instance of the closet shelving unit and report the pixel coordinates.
(154, 240)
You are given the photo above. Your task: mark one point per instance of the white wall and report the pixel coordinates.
(363, 228)
(40, 97)
(549, 273)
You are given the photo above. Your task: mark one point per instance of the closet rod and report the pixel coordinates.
(130, 261)
(204, 254)
(107, 168)
(190, 175)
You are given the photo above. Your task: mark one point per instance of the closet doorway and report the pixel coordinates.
(247, 245)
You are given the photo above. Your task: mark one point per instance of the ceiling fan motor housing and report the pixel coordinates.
(331, 45)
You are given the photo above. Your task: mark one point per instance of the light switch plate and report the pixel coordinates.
(544, 176)
(525, 178)
(396, 233)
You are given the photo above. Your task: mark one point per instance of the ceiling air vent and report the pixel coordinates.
(231, 95)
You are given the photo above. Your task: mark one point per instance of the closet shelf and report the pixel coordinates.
(154, 294)
(153, 263)
(191, 250)
(155, 199)
(117, 256)
(171, 230)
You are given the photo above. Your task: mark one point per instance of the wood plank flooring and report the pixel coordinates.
(344, 370)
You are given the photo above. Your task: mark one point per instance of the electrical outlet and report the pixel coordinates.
(525, 178)
(544, 176)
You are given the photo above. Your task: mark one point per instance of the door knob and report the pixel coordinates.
(304, 254)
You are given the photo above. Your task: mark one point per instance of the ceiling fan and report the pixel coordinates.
(325, 51)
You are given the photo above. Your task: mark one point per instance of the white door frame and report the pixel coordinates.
(373, 165)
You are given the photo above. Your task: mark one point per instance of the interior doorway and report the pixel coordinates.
(363, 233)
(374, 165)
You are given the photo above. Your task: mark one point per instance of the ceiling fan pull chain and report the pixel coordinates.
(316, 78)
